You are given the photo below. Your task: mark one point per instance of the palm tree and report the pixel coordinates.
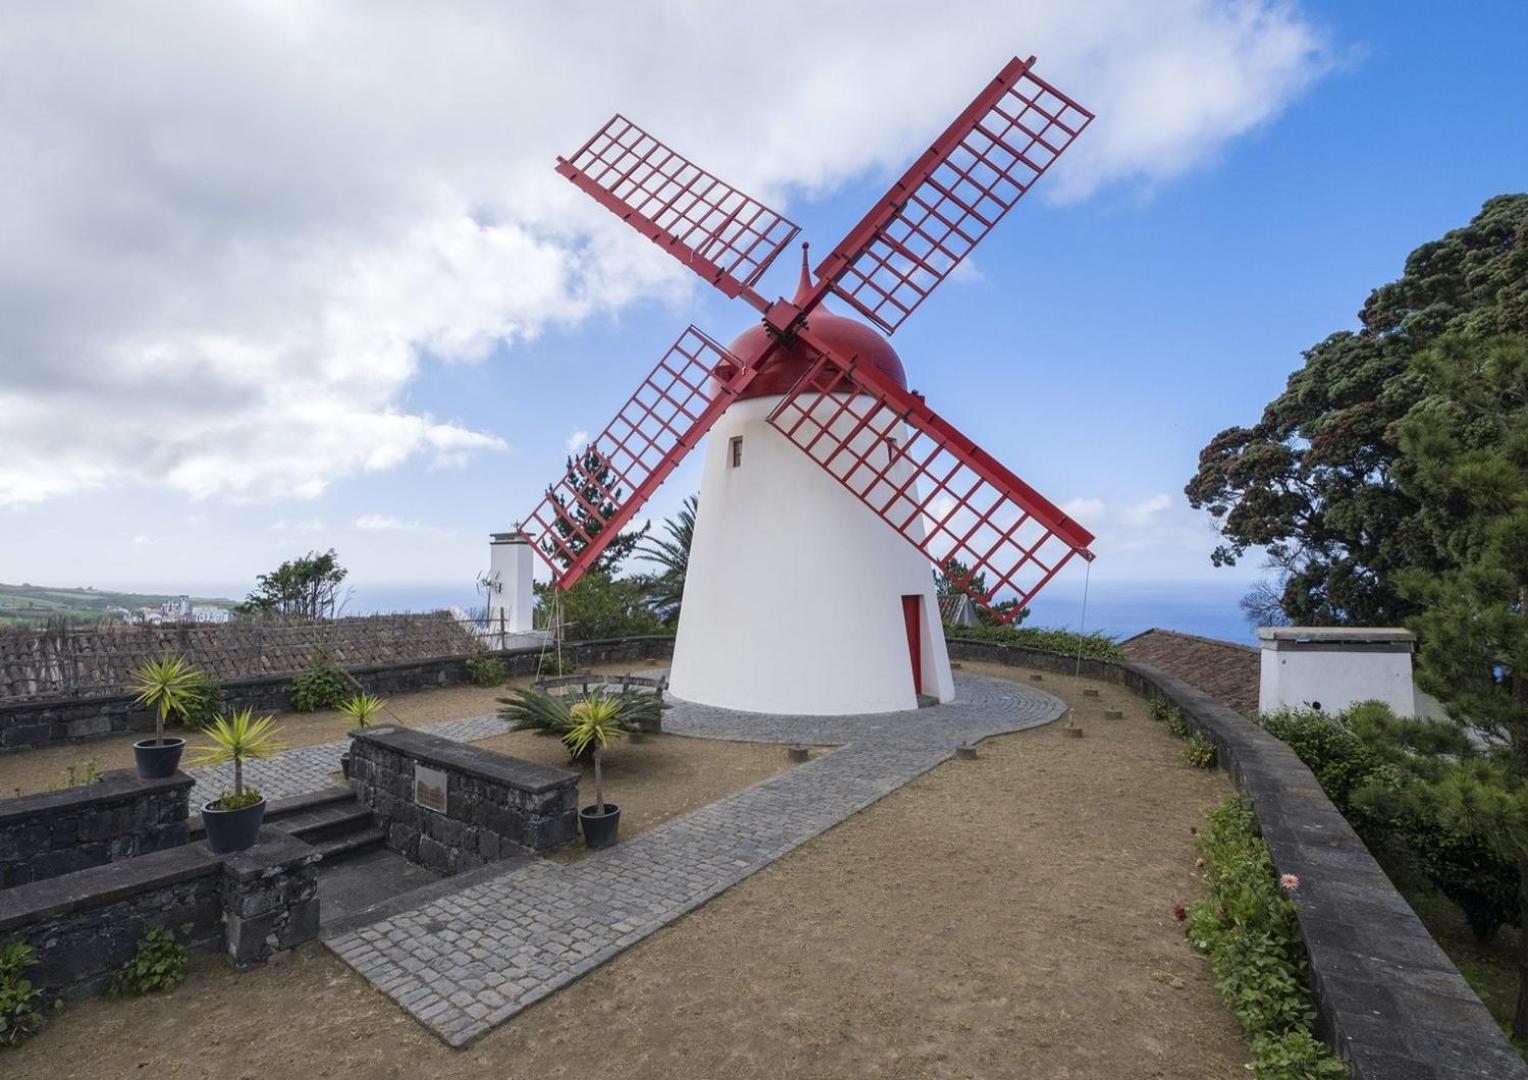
(673, 555)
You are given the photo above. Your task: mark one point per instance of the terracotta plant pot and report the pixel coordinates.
(158, 758)
(232, 830)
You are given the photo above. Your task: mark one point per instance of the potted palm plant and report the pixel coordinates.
(360, 709)
(233, 819)
(169, 686)
(593, 722)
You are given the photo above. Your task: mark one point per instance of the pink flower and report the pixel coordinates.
(1289, 882)
(1179, 912)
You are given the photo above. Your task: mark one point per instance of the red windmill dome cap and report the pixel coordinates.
(847, 337)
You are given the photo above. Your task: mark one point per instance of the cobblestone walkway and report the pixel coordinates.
(309, 768)
(463, 963)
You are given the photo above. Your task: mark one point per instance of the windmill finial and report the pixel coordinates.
(806, 275)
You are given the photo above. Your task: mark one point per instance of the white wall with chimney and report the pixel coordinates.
(1331, 668)
(510, 600)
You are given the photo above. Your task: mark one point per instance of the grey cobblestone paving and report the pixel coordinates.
(308, 768)
(463, 963)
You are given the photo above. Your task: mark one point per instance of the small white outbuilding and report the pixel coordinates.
(1332, 667)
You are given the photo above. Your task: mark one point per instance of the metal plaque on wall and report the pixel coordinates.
(430, 788)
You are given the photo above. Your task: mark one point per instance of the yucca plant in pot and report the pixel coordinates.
(233, 819)
(360, 709)
(593, 722)
(171, 687)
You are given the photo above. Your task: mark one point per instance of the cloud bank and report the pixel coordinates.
(235, 233)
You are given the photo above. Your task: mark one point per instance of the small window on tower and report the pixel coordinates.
(737, 450)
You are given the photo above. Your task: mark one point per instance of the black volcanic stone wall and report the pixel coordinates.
(497, 807)
(87, 924)
(59, 832)
(1390, 1001)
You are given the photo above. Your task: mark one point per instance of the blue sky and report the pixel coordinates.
(1103, 340)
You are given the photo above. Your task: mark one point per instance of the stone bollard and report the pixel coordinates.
(1090, 691)
(1115, 714)
(797, 753)
(1035, 676)
(966, 752)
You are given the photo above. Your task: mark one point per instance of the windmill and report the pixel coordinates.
(829, 488)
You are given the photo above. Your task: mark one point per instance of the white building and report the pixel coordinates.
(1332, 667)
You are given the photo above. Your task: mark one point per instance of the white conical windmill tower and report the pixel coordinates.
(829, 489)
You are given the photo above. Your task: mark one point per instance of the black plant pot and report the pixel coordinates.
(158, 758)
(600, 828)
(232, 830)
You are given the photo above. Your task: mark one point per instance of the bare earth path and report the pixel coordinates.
(1007, 917)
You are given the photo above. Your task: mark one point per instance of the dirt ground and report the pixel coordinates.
(38, 770)
(1003, 917)
(655, 780)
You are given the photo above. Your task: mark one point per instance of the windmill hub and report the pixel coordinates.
(848, 337)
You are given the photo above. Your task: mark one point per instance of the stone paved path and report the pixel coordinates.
(309, 768)
(465, 962)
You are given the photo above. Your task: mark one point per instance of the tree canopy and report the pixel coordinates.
(591, 476)
(1314, 481)
(307, 587)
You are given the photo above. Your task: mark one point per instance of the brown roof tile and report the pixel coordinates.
(1221, 669)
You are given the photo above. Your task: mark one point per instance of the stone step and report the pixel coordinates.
(351, 843)
(330, 822)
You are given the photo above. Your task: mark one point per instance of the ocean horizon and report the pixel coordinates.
(1121, 611)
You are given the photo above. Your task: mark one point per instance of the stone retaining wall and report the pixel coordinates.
(86, 925)
(496, 806)
(29, 723)
(1390, 1000)
(59, 832)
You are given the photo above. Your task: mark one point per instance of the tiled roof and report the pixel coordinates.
(956, 609)
(1221, 669)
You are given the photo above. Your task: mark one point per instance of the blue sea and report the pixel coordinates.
(1209, 610)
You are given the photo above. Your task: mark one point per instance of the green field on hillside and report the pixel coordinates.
(29, 605)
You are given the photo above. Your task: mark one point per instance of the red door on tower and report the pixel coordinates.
(912, 612)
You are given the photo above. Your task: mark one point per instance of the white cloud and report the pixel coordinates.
(576, 441)
(235, 234)
(389, 523)
(305, 527)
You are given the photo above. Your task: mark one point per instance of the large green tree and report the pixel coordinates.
(598, 487)
(1313, 483)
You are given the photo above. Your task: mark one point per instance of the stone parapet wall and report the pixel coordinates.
(87, 924)
(34, 722)
(97, 660)
(1390, 1001)
(121, 816)
(496, 806)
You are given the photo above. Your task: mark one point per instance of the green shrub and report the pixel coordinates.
(1339, 758)
(1199, 751)
(20, 1014)
(1248, 930)
(1161, 709)
(531, 709)
(1094, 645)
(485, 670)
(157, 967)
(209, 703)
(322, 686)
(553, 665)
(1175, 722)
